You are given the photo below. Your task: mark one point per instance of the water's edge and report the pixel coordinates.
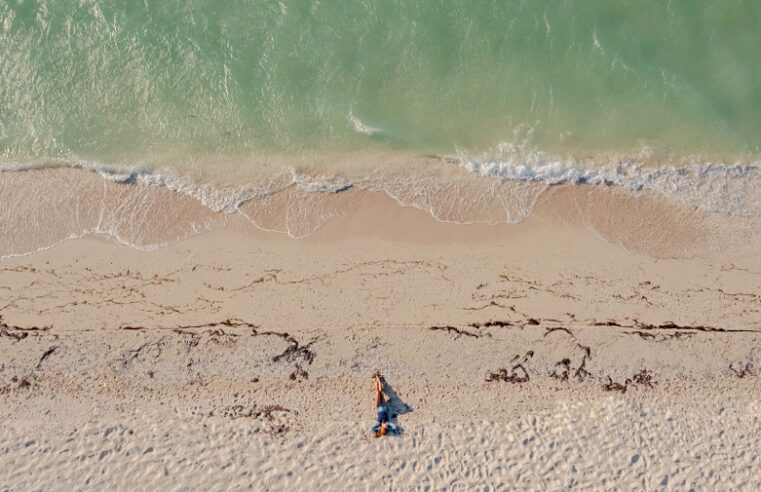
(148, 209)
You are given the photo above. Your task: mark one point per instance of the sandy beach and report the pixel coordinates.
(222, 222)
(543, 355)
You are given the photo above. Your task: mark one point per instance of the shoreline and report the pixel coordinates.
(74, 203)
(520, 240)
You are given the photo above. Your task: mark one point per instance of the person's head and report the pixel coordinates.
(382, 430)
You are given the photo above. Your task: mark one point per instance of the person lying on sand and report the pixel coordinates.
(383, 422)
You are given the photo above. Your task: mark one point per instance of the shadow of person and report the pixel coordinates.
(396, 406)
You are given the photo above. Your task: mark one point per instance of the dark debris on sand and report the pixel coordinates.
(642, 378)
(516, 375)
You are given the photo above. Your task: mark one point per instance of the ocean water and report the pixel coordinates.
(218, 99)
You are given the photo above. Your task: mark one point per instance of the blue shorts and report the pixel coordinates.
(382, 417)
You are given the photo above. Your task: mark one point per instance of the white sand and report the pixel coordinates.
(611, 443)
(132, 370)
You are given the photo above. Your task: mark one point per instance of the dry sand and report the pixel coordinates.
(583, 348)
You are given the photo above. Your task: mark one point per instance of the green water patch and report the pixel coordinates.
(134, 82)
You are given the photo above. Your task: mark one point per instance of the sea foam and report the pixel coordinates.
(733, 188)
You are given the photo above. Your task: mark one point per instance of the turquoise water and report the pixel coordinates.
(165, 82)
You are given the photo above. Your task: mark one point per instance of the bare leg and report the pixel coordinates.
(379, 400)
